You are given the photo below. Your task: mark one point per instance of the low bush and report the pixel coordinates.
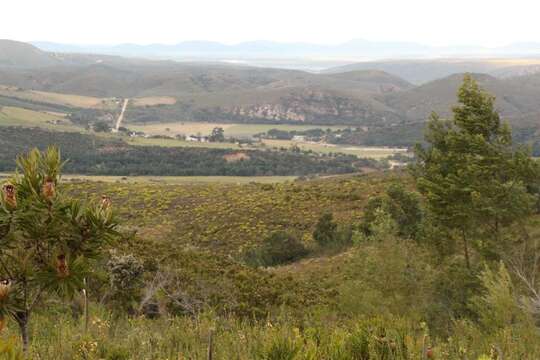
(279, 248)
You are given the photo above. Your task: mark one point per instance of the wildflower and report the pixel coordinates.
(5, 287)
(48, 189)
(61, 266)
(105, 202)
(9, 195)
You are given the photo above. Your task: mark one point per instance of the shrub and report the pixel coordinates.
(281, 347)
(279, 248)
(403, 207)
(125, 280)
(326, 230)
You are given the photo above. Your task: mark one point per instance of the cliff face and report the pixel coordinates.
(314, 106)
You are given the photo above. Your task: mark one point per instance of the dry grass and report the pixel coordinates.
(178, 180)
(153, 101)
(13, 116)
(360, 151)
(231, 130)
(179, 128)
(180, 143)
(53, 98)
(239, 156)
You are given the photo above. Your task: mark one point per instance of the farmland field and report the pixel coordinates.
(54, 98)
(153, 101)
(180, 143)
(13, 116)
(231, 130)
(363, 152)
(174, 180)
(360, 151)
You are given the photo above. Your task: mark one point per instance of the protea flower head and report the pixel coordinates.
(5, 287)
(48, 189)
(62, 268)
(9, 193)
(106, 202)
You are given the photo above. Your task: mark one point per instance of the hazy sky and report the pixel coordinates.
(435, 22)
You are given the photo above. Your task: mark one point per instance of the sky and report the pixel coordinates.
(431, 22)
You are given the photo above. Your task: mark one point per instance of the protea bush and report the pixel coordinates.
(47, 240)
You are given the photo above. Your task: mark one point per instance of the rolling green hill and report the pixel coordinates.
(169, 92)
(22, 55)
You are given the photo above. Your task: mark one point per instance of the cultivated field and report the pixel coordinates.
(180, 180)
(231, 130)
(364, 152)
(55, 98)
(181, 143)
(360, 151)
(153, 101)
(13, 116)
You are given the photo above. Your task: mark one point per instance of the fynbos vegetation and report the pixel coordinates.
(438, 263)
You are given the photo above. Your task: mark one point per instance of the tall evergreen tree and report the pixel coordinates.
(474, 180)
(47, 239)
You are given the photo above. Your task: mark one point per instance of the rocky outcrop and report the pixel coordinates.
(312, 106)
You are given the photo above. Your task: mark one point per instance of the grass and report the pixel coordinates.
(13, 116)
(180, 143)
(180, 180)
(53, 98)
(226, 217)
(364, 152)
(231, 130)
(153, 101)
(61, 337)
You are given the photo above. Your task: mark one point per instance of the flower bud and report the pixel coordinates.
(48, 190)
(61, 266)
(9, 194)
(5, 287)
(106, 202)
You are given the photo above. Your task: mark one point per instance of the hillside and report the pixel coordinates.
(22, 55)
(366, 94)
(422, 71)
(212, 91)
(516, 98)
(109, 156)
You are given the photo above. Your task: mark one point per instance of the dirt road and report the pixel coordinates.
(121, 116)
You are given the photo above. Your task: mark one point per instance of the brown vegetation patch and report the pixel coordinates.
(234, 157)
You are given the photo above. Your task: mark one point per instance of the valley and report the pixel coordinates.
(247, 100)
(160, 209)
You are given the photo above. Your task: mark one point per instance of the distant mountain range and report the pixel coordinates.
(369, 94)
(359, 49)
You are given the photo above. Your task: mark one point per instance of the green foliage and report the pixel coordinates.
(325, 232)
(279, 248)
(95, 155)
(386, 276)
(281, 347)
(126, 281)
(217, 135)
(47, 238)
(101, 126)
(474, 181)
(403, 207)
(498, 306)
(9, 350)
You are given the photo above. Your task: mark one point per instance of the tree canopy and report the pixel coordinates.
(474, 180)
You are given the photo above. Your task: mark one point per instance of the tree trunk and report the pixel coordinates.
(22, 320)
(210, 345)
